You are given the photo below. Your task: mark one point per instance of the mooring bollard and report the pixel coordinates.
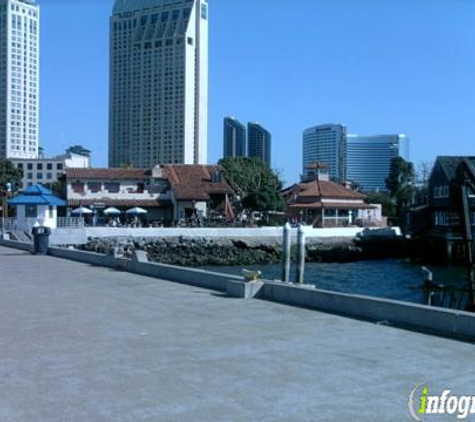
(286, 244)
(300, 255)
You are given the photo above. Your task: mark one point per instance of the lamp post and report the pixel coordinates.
(5, 194)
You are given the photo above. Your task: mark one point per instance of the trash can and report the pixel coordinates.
(41, 240)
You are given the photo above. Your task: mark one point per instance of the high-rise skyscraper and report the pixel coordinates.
(259, 142)
(369, 159)
(19, 78)
(326, 144)
(158, 82)
(234, 138)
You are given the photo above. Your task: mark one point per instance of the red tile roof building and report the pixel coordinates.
(323, 203)
(167, 192)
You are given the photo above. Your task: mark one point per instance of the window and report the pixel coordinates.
(112, 187)
(20, 166)
(39, 166)
(94, 187)
(204, 11)
(78, 187)
(30, 176)
(59, 166)
(39, 176)
(49, 166)
(30, 166)
(31, 211)
(140, 187)
(49, 176)
(190, 41)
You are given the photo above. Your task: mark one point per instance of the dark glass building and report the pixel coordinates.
(234, 138)
(259, 142)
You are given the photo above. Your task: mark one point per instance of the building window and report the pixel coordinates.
(190, 41)
(30, 166)
(94, 187)
(204, 11)
(441, 218)
(59, 166)
(39, 166)
(39, 176)
(49, 176)
(49, 166)
(112, 187)
(31, 211)
(20, 166)
(30, 176)
(78, 187)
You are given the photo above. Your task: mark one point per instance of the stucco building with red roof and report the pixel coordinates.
(322, 203)
(170, 192)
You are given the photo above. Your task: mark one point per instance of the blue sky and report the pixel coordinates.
(378, 66)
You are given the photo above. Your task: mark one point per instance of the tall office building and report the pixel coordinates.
(259, 142)
(326, 144)
(369, 159)
(158, 82)
(234, 138)
(19, 78)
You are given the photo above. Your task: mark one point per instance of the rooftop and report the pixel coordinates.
(325, 189)
(194, 182)
(107, 173)
(86, 343)
(122, 6)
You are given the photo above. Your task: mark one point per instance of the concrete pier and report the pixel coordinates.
(86, 343)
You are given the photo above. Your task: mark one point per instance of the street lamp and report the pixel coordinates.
(5, 194)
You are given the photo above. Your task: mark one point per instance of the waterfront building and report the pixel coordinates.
(158, 83)
(326, 143)
(19, 78)
(323, 203)
(259, 142)
(234, 138)
(368, 159)
(46, 171)
(170, 192)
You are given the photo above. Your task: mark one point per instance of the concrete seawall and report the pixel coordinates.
(223, 232)
(437, 321)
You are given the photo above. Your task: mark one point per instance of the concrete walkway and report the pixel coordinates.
(86, 344)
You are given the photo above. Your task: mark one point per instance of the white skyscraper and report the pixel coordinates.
(19, 78)
(158, 82)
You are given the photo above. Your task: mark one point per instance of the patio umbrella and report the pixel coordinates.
(81, 211)
(112, 211)
(136, 211)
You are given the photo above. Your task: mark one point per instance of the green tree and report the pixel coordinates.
(400, 183)
(383, 198)
(10, 174)
(256, 184)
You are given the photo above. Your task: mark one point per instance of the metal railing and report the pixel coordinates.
(27, 224)
(70, 222)
(20, 224)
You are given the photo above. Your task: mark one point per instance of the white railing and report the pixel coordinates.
(20, 224)
(27, 224)
(70, 222)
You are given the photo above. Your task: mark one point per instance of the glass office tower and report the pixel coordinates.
(259, 142)
(369, 159)
(326, 144)
(234, 138)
